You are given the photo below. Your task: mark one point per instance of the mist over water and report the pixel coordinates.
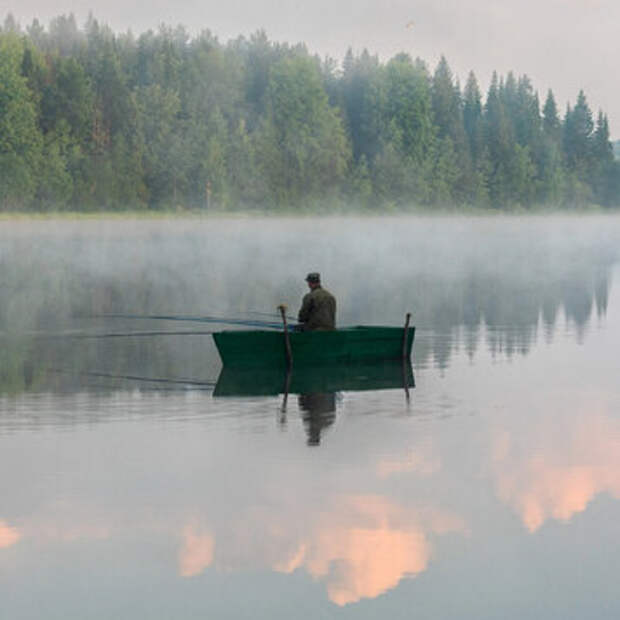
(500, 475)
(507, 277)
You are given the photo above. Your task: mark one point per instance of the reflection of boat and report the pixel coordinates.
(311, 379)
(252, 348)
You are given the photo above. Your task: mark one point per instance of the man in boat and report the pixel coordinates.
(318, 309)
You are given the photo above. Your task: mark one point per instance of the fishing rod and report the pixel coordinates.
(271, 314)
(196, 319)
(75, 335)
(136, 334)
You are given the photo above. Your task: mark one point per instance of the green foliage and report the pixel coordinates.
(302, 142)
(92, 120)
(446, 172)
(360, 183)
(362, 98)
(55, 181)
(160, 129)
(20, 140)
(408, 107)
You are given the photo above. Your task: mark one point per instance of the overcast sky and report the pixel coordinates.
(561, 44)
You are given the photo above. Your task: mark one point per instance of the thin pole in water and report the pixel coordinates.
(287, 341)
(287, 385)
(405, 360)
(406, 334)
(406, 379)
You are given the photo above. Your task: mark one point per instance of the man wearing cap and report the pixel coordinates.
(318, 309)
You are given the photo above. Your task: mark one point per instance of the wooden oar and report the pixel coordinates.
(287, 341)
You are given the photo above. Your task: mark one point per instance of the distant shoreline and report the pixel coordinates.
(13, 216)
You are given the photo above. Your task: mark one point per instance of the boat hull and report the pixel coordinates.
(252, 348)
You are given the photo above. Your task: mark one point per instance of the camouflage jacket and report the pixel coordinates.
(318, 310)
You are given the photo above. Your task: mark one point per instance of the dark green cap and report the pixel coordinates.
(313, 277)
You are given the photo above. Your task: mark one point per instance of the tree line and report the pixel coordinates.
(95, 120)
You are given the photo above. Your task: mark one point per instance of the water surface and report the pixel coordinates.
(129, 490)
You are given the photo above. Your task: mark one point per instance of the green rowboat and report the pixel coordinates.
(349, 345)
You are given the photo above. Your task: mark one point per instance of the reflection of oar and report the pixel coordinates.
(196, 319)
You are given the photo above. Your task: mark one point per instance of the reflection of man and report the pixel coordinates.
(318, 412)
(318, 309)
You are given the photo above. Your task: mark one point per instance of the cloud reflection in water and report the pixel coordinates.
(557, 479)
(361, 548)
(8, 535)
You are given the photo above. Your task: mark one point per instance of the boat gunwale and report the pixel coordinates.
(292, 330)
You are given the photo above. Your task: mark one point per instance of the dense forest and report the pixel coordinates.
(94, 120)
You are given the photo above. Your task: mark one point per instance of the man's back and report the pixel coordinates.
(318, 310)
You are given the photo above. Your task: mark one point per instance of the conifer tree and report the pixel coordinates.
(550, 164)
(578, 133)
(606, 172)
(362, 100)
(602, 150)
(446, 105)
(472, 115)
(551, 121)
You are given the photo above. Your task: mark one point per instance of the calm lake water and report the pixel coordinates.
(129, 490)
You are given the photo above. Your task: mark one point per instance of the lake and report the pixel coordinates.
(130, 490)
